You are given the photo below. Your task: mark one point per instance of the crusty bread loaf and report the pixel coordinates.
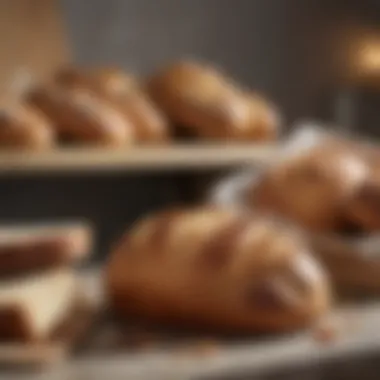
(79, 115)
(218, 269)
(27, 248)
(125, 94)
(208, 105)
(24, 127)
(311, 189)
(32, 307)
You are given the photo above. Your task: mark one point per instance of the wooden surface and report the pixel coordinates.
(32, 38)
(174, 157)
(351, 332)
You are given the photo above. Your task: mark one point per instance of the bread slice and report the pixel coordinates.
(31, 308)
(35, 247)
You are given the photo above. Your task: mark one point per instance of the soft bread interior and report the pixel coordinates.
(39, 302)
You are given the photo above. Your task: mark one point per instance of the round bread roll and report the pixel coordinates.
(221, 269)
(264, 120)
(208, 105)
(24, 127)
(312, 189)
(150, 123)
(80, 116)
(125, 94)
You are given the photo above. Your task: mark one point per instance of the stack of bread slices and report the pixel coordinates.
(38, 283)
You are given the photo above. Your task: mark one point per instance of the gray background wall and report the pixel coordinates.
(294, 51)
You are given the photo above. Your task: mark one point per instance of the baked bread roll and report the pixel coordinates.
(150, 123)
(218, 269)
(125, 94)
(311, 189)
(28, 248)
(80, 116)
(208, 105)
(22, 126)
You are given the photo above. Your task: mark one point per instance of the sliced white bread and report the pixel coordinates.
(31, 308)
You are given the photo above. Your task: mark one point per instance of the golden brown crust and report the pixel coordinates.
(264, 120)
(80, 116)
(23, 254)
(111, 81)
(312, 189)
(125, 94)
(363, 208)
(149, 123)
(22, 126)
(216, 268)
(208, 105)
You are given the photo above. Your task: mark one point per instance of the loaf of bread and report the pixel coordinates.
(207, 104)
(311, 189)
(125, 94)
(80, 116)
(28, 248)
(24, 127)
(220, 269)
(32, 307)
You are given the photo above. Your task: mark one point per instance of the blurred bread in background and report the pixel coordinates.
(108, 106)
(24, 127)
(330, 191)
(124, 92)
(104, 81)
(363, 209)
(312, 189)
(80, 116)
(207, 104)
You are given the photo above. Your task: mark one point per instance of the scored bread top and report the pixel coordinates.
(207, 264)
